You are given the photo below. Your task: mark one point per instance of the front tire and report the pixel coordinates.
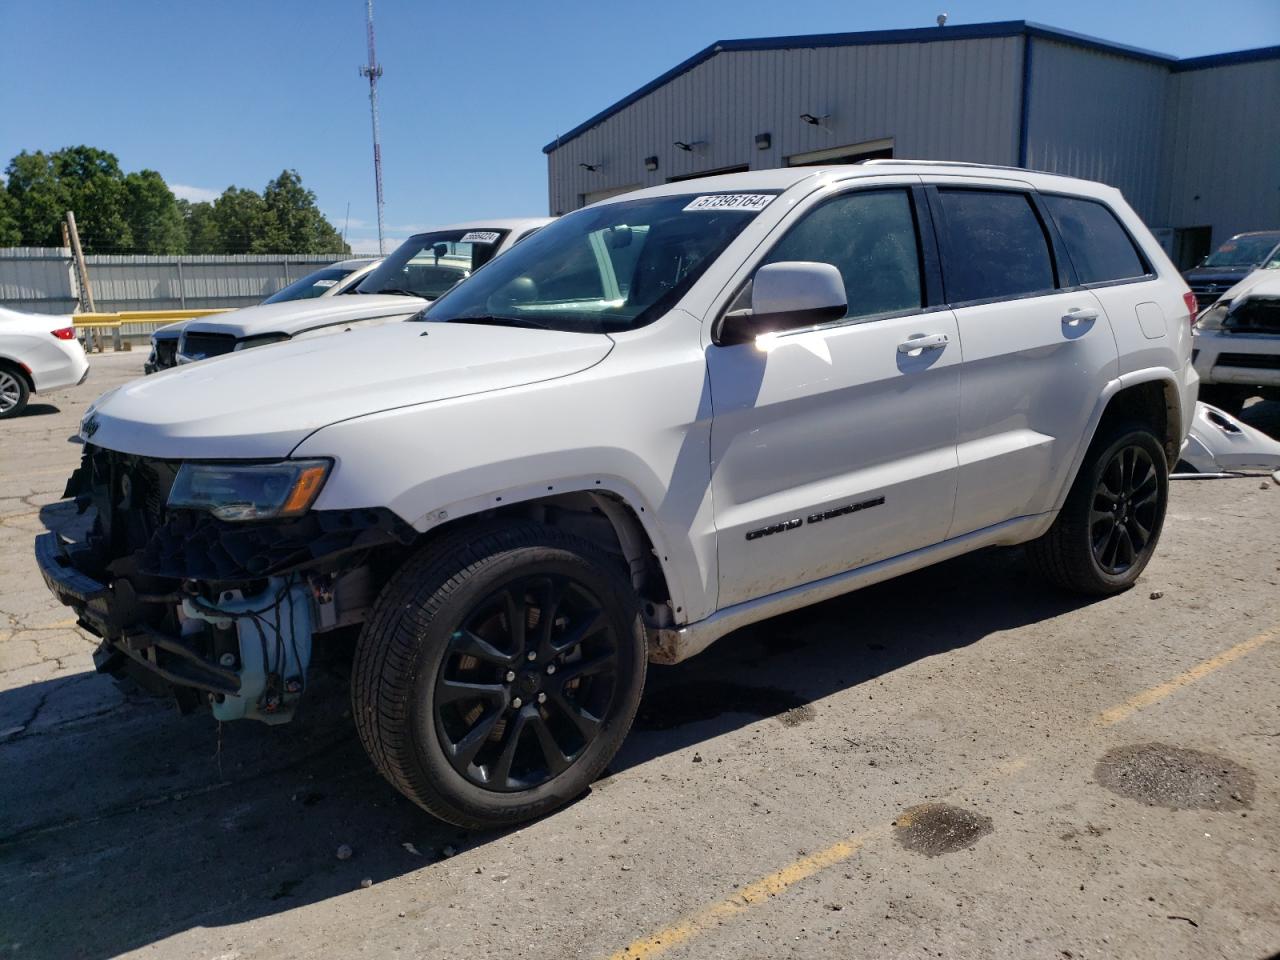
(14, 392)
(1107, 530)
(499, 673)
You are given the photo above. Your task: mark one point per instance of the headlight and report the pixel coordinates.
(1212, 318)
(251, 491)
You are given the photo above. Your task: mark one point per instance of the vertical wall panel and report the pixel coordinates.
(1099, 116)
(1224, 148)
(944, 100)
(40, 280)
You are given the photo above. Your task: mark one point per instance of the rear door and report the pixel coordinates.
(1037, 350)
(834, 447)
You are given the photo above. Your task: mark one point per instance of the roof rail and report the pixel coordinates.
(886, 162)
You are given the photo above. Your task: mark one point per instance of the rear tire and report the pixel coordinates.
(1109, 526)
(14, 392)
(499, 673)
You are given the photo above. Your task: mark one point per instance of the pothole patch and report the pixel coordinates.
(689, 703)
(1161, 775)
(937, 828)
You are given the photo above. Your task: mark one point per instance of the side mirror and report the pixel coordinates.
(787, 296)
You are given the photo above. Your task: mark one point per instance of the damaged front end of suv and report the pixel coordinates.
(211, 580)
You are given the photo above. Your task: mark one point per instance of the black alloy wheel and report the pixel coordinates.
(526, 682)
(499, 672)
(1125, 510)
(1108, 527)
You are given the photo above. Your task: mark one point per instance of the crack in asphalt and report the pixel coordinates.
(35, 712)
(41, 701)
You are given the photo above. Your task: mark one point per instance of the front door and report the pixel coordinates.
(834, 447)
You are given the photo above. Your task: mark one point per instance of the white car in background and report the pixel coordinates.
(331, 281)
(1237, 343)
(411, 276)
(38, 352)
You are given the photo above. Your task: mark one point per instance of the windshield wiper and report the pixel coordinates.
(401, 292)
(500, 322)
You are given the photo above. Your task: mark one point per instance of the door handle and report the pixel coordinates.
(1078, 315)
(921, 341)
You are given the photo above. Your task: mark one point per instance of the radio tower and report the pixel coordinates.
(373, 71)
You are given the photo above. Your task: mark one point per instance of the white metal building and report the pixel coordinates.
(1194, 144)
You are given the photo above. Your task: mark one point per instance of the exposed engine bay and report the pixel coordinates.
(210, 609)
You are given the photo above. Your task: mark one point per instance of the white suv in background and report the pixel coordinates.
(410, 277)
(331, 281)
(663, 417)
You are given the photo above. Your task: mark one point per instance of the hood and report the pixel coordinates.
(295, 316)
(1228, 273)
(170, 331)
(1267, 282)
(264, 402)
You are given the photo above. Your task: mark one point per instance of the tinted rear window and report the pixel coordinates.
(997, 248)
(1099, 247)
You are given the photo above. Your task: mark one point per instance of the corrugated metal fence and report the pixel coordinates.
(41, 279)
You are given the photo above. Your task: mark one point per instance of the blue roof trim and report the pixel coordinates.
(1256, 55)
(965, 31)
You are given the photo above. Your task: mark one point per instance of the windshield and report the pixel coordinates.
(604, 269)
(430, 263)
(1243, 251)
(312, 285)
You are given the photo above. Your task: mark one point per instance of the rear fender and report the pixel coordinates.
(1175, 422)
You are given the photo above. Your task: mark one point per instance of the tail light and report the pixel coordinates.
(66, 333)
(1193, 308)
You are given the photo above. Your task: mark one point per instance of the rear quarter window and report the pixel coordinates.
(1100, 248)
(996, 247)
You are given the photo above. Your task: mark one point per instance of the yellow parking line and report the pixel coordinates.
(769, 886)
(757, 892)
(1198, 672)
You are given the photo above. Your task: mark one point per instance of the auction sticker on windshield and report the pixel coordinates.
(480, 236)
(731, 201)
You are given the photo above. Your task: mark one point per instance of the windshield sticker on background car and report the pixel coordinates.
(731, 201)
(325, 283)
(479, 236)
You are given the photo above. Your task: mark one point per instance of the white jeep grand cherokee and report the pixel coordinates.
(660, 418)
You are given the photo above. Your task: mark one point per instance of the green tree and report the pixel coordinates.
(96, 192)
(40, 199)
(241, 220)
(200, 226)
(154, 218)
(10, 229)
(85, 180)
(295, 223)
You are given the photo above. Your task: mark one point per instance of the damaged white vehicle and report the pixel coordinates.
(1237, 343)
(658, 419)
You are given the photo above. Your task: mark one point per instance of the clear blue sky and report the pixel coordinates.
(233, 91)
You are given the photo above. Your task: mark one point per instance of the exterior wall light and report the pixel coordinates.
(651, 164)
(681, 145)
(590, 167)
(763, 141)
